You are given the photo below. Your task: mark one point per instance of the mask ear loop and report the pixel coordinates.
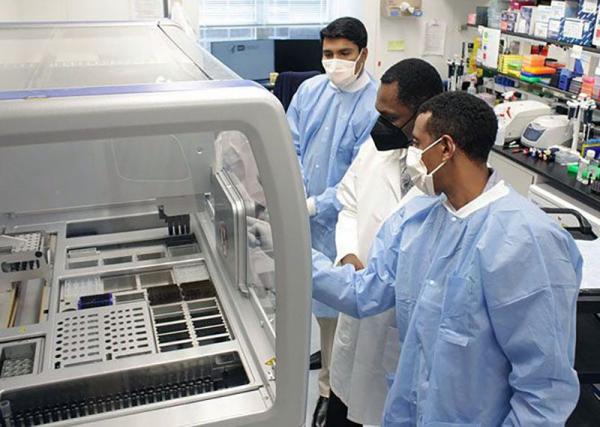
(441, 165)
(436, 142)
(356, 73)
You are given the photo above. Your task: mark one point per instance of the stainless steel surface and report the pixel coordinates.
(26, 258)
(230, 228)
(102, 334)
(122, 332)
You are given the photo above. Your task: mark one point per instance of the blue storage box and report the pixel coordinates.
(565, 79)
(577, 31)
(588, 11)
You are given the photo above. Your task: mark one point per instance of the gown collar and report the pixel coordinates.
(494, 190)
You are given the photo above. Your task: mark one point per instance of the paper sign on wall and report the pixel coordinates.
(396, 45)
(435, 38)
(490, 45)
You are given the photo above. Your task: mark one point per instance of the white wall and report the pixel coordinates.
(412, 31)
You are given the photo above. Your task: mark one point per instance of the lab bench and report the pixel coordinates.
(521, 171)
(525, 174)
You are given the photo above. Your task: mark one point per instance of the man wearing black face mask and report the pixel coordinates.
(366, 351)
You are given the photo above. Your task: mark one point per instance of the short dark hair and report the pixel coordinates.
(346, 28)
(417, 81)
(469, 120)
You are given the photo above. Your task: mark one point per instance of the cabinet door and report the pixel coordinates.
(517, 176)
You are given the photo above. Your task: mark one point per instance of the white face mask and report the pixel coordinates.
(417, 170)
(340, 72)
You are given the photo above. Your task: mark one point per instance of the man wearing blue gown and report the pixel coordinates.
(330, 117)
(484, 284)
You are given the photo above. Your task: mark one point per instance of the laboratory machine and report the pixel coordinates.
(513, 118)
(548, 131)
(154, 253)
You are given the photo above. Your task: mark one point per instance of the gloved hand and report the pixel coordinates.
(311, 206)
(259, 234)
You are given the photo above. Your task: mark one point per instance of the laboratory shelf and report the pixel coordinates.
(528, 87)
(565, 94)
(591, 49)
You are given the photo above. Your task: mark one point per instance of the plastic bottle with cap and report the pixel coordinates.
(596, 92)
(593, 170)
(584, 164)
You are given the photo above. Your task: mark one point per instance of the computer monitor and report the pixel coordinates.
(251, 59)
(298, 55)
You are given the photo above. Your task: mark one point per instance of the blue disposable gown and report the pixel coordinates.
(328, 127)
(486, 307)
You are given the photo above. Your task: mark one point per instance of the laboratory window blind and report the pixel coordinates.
(222, 20)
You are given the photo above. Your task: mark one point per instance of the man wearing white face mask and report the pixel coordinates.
(330, 117)
(365, 351)
(484, 285)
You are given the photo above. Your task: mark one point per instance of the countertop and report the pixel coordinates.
(555, 175)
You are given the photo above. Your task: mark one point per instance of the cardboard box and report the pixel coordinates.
(588, 12)
(539, 15)
(541, 30)
(554, 28)
(393, 8)
(509, 15)
(508, 20)
(518, 4)
(587, 7)
(524, 20)
(577, 31)
(564, 9)
(596, 37)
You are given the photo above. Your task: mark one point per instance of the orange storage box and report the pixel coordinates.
(540, 71)
(534, 61)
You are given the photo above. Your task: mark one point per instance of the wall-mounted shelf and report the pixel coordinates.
(556, 91)
(529, 88)
(591, 49)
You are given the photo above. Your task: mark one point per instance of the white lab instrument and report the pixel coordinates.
(132, 288)
(513, 118)
(547, 131)
(580, 113)
(456, 71)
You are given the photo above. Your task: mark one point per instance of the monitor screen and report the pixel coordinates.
(298, 55)
(251, 59)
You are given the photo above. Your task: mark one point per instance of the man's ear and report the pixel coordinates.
(448, 147)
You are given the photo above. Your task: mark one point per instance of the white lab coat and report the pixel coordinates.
(366, 351)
